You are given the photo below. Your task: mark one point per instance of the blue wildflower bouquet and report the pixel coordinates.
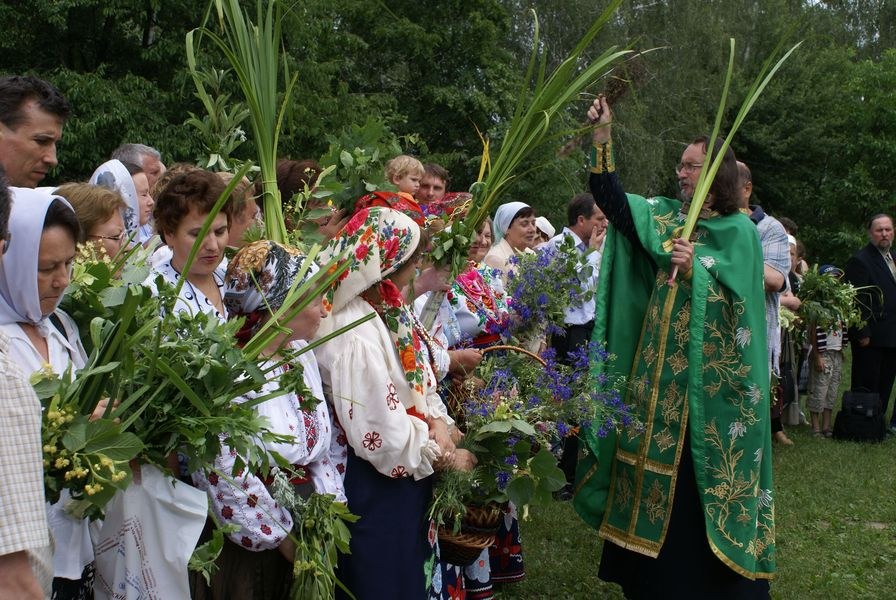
(543, 286)
(515, 408)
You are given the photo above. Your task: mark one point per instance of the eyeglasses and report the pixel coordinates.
(687, 167)
(7, 240)
(115, 238)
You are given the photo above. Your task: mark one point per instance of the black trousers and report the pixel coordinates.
(576, 337)
(874, 369)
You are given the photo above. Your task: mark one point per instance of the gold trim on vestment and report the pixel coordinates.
(734, 566)
(630, 542)
(588, 475)
(644, 447)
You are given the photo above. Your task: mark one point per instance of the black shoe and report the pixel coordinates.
(564, 494)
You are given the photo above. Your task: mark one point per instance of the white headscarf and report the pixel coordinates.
(19, 296)
(545, 226)
(114, 175)
(503, 217)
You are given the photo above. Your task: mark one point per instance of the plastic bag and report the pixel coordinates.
(147, 537)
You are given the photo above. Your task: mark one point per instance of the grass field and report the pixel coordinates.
(836, 529)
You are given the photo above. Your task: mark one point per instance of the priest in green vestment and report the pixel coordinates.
(684, 497)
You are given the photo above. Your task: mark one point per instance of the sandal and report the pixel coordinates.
(827, 433)
(818, 433)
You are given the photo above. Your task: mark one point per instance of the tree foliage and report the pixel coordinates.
(821, 142)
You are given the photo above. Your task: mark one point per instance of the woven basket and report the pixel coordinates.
(458, 394)
(477, 532)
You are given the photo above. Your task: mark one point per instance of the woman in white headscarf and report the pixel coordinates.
(115, 176)
(515, 232)
(31, 287)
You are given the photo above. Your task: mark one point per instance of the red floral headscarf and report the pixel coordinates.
(377, 242)
(400, 202)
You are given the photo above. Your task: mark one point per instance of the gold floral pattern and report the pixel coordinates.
(664, 440)
(666, 222)
(682, 323)
(671, 402)
(678, 362)
(656, 501)
(649, 354)
(625, 490)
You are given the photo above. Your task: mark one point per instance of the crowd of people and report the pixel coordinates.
(688, 484)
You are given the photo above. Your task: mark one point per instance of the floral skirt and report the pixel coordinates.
(501, 563)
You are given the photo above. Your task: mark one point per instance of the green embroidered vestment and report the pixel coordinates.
(694, 355)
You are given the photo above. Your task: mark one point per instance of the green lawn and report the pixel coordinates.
(836, 529)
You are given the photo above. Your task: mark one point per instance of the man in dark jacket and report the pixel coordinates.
(874, 345)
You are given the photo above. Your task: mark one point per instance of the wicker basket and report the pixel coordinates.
(477, 532)
(457, 393)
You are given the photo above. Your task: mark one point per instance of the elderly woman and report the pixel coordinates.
(99, 212)
(114, 175)
(34, 276)
(382, 386)
(257, 559)
(515, 232)
(180, 212)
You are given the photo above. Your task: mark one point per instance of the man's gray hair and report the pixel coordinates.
(134, 153)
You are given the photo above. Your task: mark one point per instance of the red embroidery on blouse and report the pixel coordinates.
(372, 440)
(392, 398)
(227, 512)
(399, 471)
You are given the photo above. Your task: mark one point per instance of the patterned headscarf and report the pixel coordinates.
(447, 205)
(378, 242)
(113, 175)
(259, 278)
(504, 217)
(400, 202)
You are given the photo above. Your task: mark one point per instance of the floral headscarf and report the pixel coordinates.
(258, 279)
(378, 242)
(113, 175)
(447, 205)
(394, 200)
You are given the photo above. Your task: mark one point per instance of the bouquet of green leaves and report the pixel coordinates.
(827, 301)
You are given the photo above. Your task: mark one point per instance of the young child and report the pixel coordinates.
(826, 358)
(405, 172)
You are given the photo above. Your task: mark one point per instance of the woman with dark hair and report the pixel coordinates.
(31, 286)
(180, 211)
(380, 380)
(515, 232)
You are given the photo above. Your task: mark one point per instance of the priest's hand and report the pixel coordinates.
(599, 115)
(682, 255)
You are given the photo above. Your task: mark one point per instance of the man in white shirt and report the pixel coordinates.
(587, 229)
